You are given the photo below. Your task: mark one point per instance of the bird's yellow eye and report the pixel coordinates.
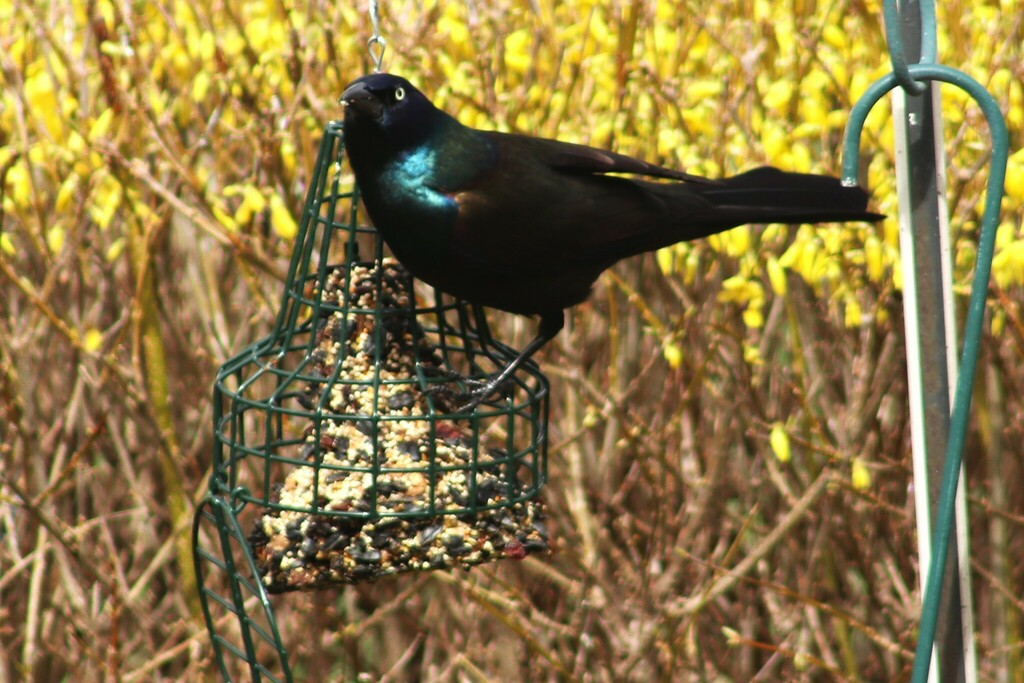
(399, 93)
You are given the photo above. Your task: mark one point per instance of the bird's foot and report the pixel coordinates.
(478, 390)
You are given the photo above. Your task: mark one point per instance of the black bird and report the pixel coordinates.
(527, 224)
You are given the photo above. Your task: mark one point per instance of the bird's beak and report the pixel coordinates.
(360, 99)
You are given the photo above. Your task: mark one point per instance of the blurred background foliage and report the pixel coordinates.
(730, 488)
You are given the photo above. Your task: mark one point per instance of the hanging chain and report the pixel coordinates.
(376, 44)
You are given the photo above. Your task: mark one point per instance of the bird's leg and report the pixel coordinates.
(550, 325)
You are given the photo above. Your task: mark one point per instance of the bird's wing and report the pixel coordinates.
(572, 158)
(542, 205)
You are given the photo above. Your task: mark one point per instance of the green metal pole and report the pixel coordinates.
(930, 327)
(975, 318)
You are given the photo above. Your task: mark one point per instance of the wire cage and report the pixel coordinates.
(340, 453)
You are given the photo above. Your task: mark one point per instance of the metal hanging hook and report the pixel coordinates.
(376, 45)
(894, 23)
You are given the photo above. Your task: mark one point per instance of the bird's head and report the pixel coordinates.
(388, 106)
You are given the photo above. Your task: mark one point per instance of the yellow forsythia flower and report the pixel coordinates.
(55, 238)
(860, 477)
(92, 340)
(1015, 176)
(666, 259)
(673, 353)
(776, 276)
(779, 440)
(281, 218)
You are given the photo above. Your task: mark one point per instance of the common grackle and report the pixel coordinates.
(527, 224)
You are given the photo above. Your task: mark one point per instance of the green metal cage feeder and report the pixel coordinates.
(339, 455)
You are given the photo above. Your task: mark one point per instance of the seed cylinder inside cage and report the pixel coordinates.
(385, 480)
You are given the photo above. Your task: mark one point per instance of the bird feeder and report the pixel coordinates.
(340, 455)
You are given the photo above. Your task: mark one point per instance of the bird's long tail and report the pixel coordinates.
(768, 195)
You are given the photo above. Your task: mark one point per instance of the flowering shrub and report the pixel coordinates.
(729, 431)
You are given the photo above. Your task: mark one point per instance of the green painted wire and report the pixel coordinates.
(975, 317)
(894, 40)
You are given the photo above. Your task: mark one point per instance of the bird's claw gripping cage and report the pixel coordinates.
(340, 455)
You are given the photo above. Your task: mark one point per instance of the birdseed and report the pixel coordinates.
(387, 489)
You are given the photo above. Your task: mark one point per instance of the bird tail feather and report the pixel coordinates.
(768, 195)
